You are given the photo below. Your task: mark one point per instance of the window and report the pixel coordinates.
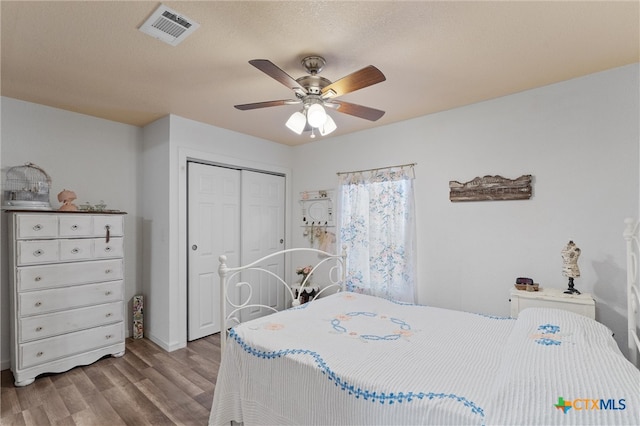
(377, 226)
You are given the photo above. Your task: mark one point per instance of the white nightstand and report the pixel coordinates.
(552, 298)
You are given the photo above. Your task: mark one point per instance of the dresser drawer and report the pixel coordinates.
(65, 225)
(34, 252)
(45, 350)
(32, 226)
(73, 226)
(37, 251)
(115, 223)
(104, 249)
(42, 326)
(45, 301)
(77, 249)
(49, 276)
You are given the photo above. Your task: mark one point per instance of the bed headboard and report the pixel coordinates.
(631, 234)
(333, 265)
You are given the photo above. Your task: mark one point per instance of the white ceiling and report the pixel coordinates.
(89, 57)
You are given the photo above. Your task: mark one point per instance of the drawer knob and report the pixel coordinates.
(37, 227)
(109, 314)
(38, 328)
(38, 304)
(107, 293)
(74, 227)
(107, 271)
(38, 278)
(109, 336)
(38, 253)
(75, 250)
(40, 353)
(107, 249)
(107, 237)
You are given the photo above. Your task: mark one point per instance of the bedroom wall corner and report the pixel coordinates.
(154, 203)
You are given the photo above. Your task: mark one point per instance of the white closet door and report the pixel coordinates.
(262, 234)
(213, 229)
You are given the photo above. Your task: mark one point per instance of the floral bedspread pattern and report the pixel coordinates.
(371, 360)
(355, 359)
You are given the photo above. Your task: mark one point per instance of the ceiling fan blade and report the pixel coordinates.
(356, 110)
(360, 79)
(256, 105)
(269, 68)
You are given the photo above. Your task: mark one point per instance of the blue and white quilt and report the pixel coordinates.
(354, 359)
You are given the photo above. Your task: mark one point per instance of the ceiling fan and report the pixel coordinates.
(316, 93)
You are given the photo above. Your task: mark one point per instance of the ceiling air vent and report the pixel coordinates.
(169, 26)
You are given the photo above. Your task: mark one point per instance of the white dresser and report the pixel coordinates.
(67, 290)
(552, 298)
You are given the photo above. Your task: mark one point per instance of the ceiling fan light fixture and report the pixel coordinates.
(296, 122)
(316, 115)
(328, 126)
(317, 93)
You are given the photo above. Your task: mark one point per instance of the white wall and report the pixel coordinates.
(165, 157)
(579, 139)
(98, 159)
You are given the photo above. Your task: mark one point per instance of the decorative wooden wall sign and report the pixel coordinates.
(491, 188)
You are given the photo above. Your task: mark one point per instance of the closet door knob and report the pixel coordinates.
(194, 247)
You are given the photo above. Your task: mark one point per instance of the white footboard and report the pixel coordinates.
(633, 287)
(334, 266)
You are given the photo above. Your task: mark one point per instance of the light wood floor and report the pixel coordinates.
(147, 386)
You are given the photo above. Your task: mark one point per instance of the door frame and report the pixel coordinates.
(185, 155)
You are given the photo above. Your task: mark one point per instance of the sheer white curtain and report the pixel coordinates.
(377, 226)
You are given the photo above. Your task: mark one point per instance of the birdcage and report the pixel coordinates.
(27, 187)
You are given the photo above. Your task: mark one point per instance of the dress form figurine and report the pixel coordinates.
(570, 255)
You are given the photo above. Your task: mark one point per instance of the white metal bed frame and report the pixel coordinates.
(632, 235)
(230, 309)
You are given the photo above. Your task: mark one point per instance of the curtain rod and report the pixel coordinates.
(379, 168)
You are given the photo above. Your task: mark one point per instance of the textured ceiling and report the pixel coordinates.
(89, 57)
